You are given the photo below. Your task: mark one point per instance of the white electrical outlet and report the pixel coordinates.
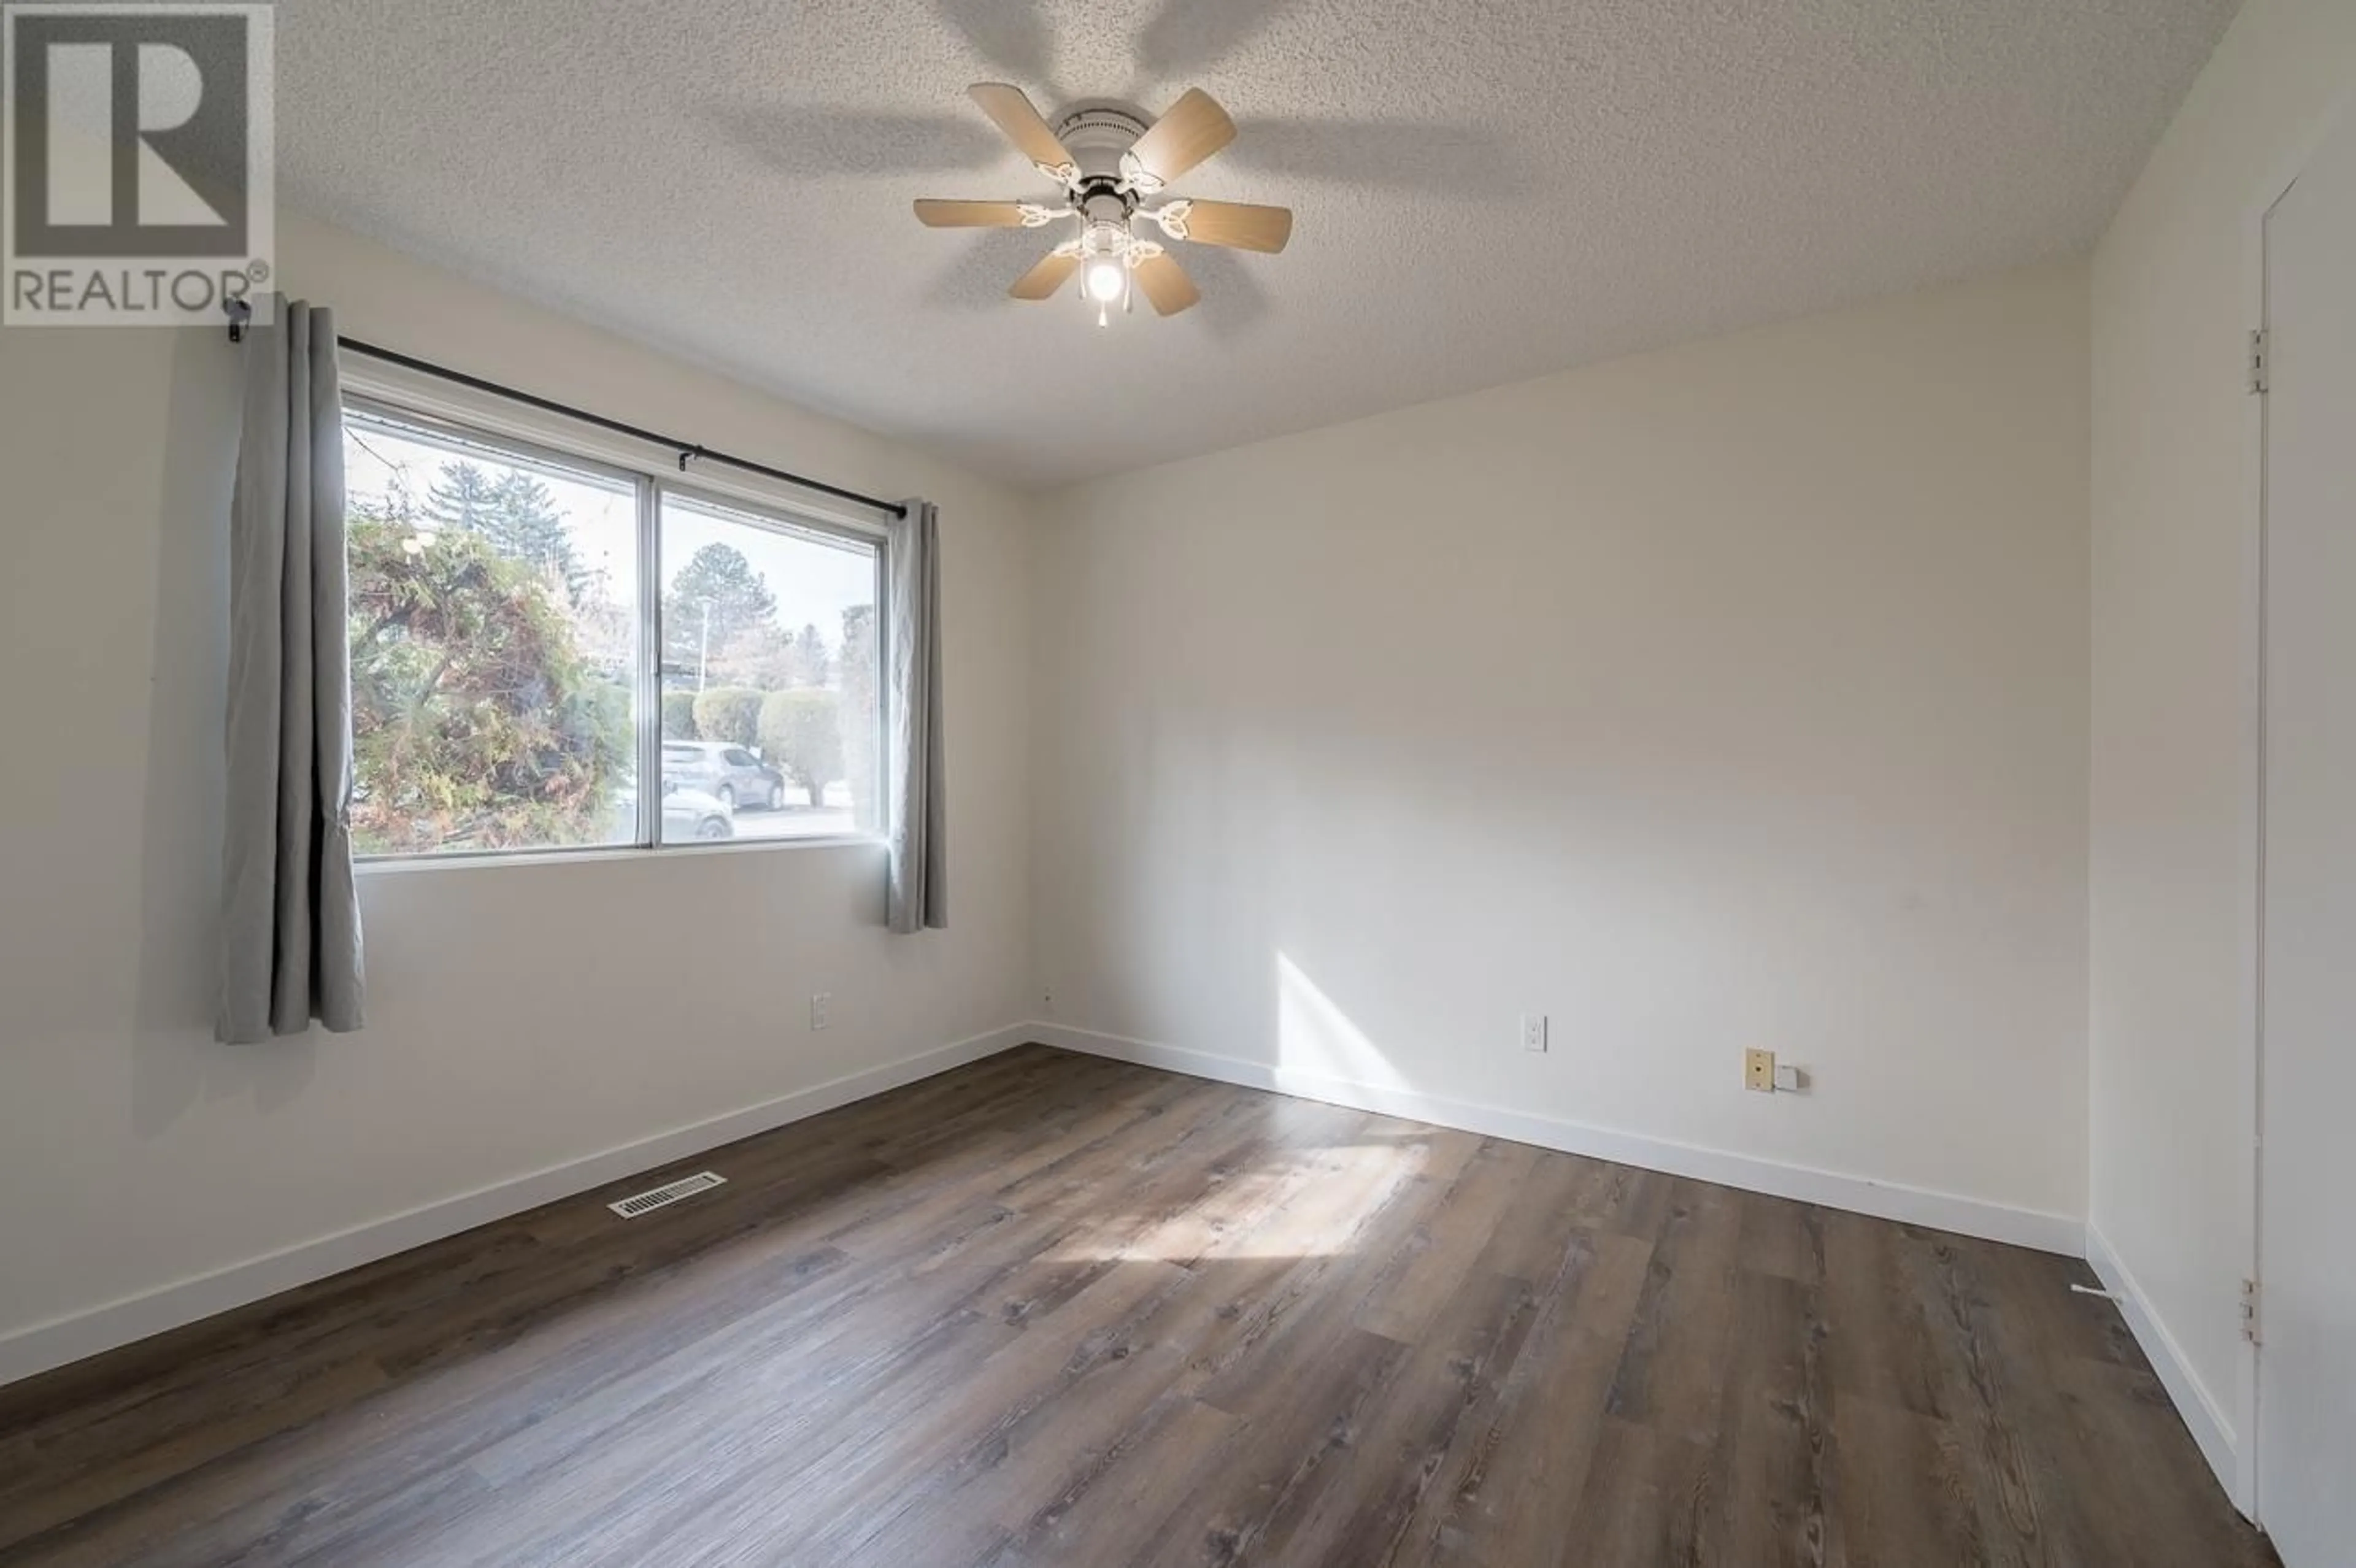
(1534, 1031)
(821, 1007)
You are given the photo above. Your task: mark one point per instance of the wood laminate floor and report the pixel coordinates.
(1051, 1309)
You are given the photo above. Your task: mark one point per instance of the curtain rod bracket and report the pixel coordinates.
(239, 311)
(686, 452)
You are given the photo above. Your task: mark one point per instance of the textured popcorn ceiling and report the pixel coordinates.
(1486, 190)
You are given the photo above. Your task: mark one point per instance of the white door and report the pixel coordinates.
(2307, 1210)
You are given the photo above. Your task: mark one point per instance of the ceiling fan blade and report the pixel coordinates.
(1014, 115)
(1194, 128)
(1166, 283)
(1044, 279)
(970, 214)
(1239, 225)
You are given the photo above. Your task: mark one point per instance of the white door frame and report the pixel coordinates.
(2252, 1077)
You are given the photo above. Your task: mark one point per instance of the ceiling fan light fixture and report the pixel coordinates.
(1103, 269)
(1106, 278)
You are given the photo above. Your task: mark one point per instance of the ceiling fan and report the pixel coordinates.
(1111, 163)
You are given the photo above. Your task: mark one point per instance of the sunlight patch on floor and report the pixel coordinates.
(1309, 1203)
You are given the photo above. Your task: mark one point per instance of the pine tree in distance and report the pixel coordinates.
(715, 598)
(812, 663)
(515, 514)
(459, 497)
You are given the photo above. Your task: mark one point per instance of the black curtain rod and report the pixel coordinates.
(687, 449)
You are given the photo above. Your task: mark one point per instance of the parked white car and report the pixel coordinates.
(687, 814)
(726, 772)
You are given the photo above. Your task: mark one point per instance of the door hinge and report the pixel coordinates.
(2250, 1311)
(2257, 366)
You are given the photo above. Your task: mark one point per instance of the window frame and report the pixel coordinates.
(453, 413)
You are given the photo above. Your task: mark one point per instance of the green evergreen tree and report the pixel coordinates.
(514, 513)
(525, 526)
(715, 598)
(460, 498)
(812, 663)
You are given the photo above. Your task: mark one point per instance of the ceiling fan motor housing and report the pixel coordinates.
(1097, 131)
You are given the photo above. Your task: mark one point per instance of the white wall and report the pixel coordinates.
(2173, 1003)
(519, 1016)
(1728, 696)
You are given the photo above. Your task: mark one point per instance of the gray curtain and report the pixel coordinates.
(919, 885)
(290, 914)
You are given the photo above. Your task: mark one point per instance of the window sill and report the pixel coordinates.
(405, 865)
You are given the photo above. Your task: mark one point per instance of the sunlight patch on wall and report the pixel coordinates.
(1316, 1038)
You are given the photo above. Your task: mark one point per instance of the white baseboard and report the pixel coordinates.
(2202, 1414)
(1863, 1195)
(71, 1339)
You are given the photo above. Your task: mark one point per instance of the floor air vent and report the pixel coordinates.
(668, 1193)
